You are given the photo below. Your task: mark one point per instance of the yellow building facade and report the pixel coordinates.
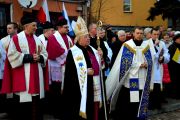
(124, 12)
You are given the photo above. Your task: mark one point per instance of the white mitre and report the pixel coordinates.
(80, 28)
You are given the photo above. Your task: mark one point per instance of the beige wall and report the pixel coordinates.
(112, 13)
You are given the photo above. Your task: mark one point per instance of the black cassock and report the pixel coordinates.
(116, 46)
(174, 69)
(72, 94)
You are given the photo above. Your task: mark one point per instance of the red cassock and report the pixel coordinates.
(14, 78)
(54, 49)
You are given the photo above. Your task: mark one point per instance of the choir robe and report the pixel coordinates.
(4, 47)
(157, 75)
(108, 61)
(174, 68)
(72, 88)
(127, 81)
(109, 51)
(43, 40)
(25, 79)
(156, 95)
(5, 41)
(57, 49)
(2, 60)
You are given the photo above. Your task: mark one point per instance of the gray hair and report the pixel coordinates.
(147, 30)
(121, 32)
(90, 26)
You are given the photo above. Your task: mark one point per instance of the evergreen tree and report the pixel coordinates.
(168, 9)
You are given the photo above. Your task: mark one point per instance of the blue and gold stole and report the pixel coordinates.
(126, 60)
(125, 64)
(143, 106)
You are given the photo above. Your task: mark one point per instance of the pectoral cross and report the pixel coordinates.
(133, 85)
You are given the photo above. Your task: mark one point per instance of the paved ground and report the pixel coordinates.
(3, 116)
(169, 111)
(174, 115)
(171, 105)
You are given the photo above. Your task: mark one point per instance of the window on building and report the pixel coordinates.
(127, 6)
(4, 18)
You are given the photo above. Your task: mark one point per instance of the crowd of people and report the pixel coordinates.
(97, 75)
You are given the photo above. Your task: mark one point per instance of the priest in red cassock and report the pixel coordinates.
(24, 74)
(57, 48)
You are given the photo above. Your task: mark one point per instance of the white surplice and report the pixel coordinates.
(16, 60)
(5, 41)
(57, 67)
(157, 67)
(43, 40)
(2, 60)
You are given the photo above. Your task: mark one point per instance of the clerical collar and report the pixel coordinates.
(12, 35)
(138, 42)
(153, 41)
(46, 38)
